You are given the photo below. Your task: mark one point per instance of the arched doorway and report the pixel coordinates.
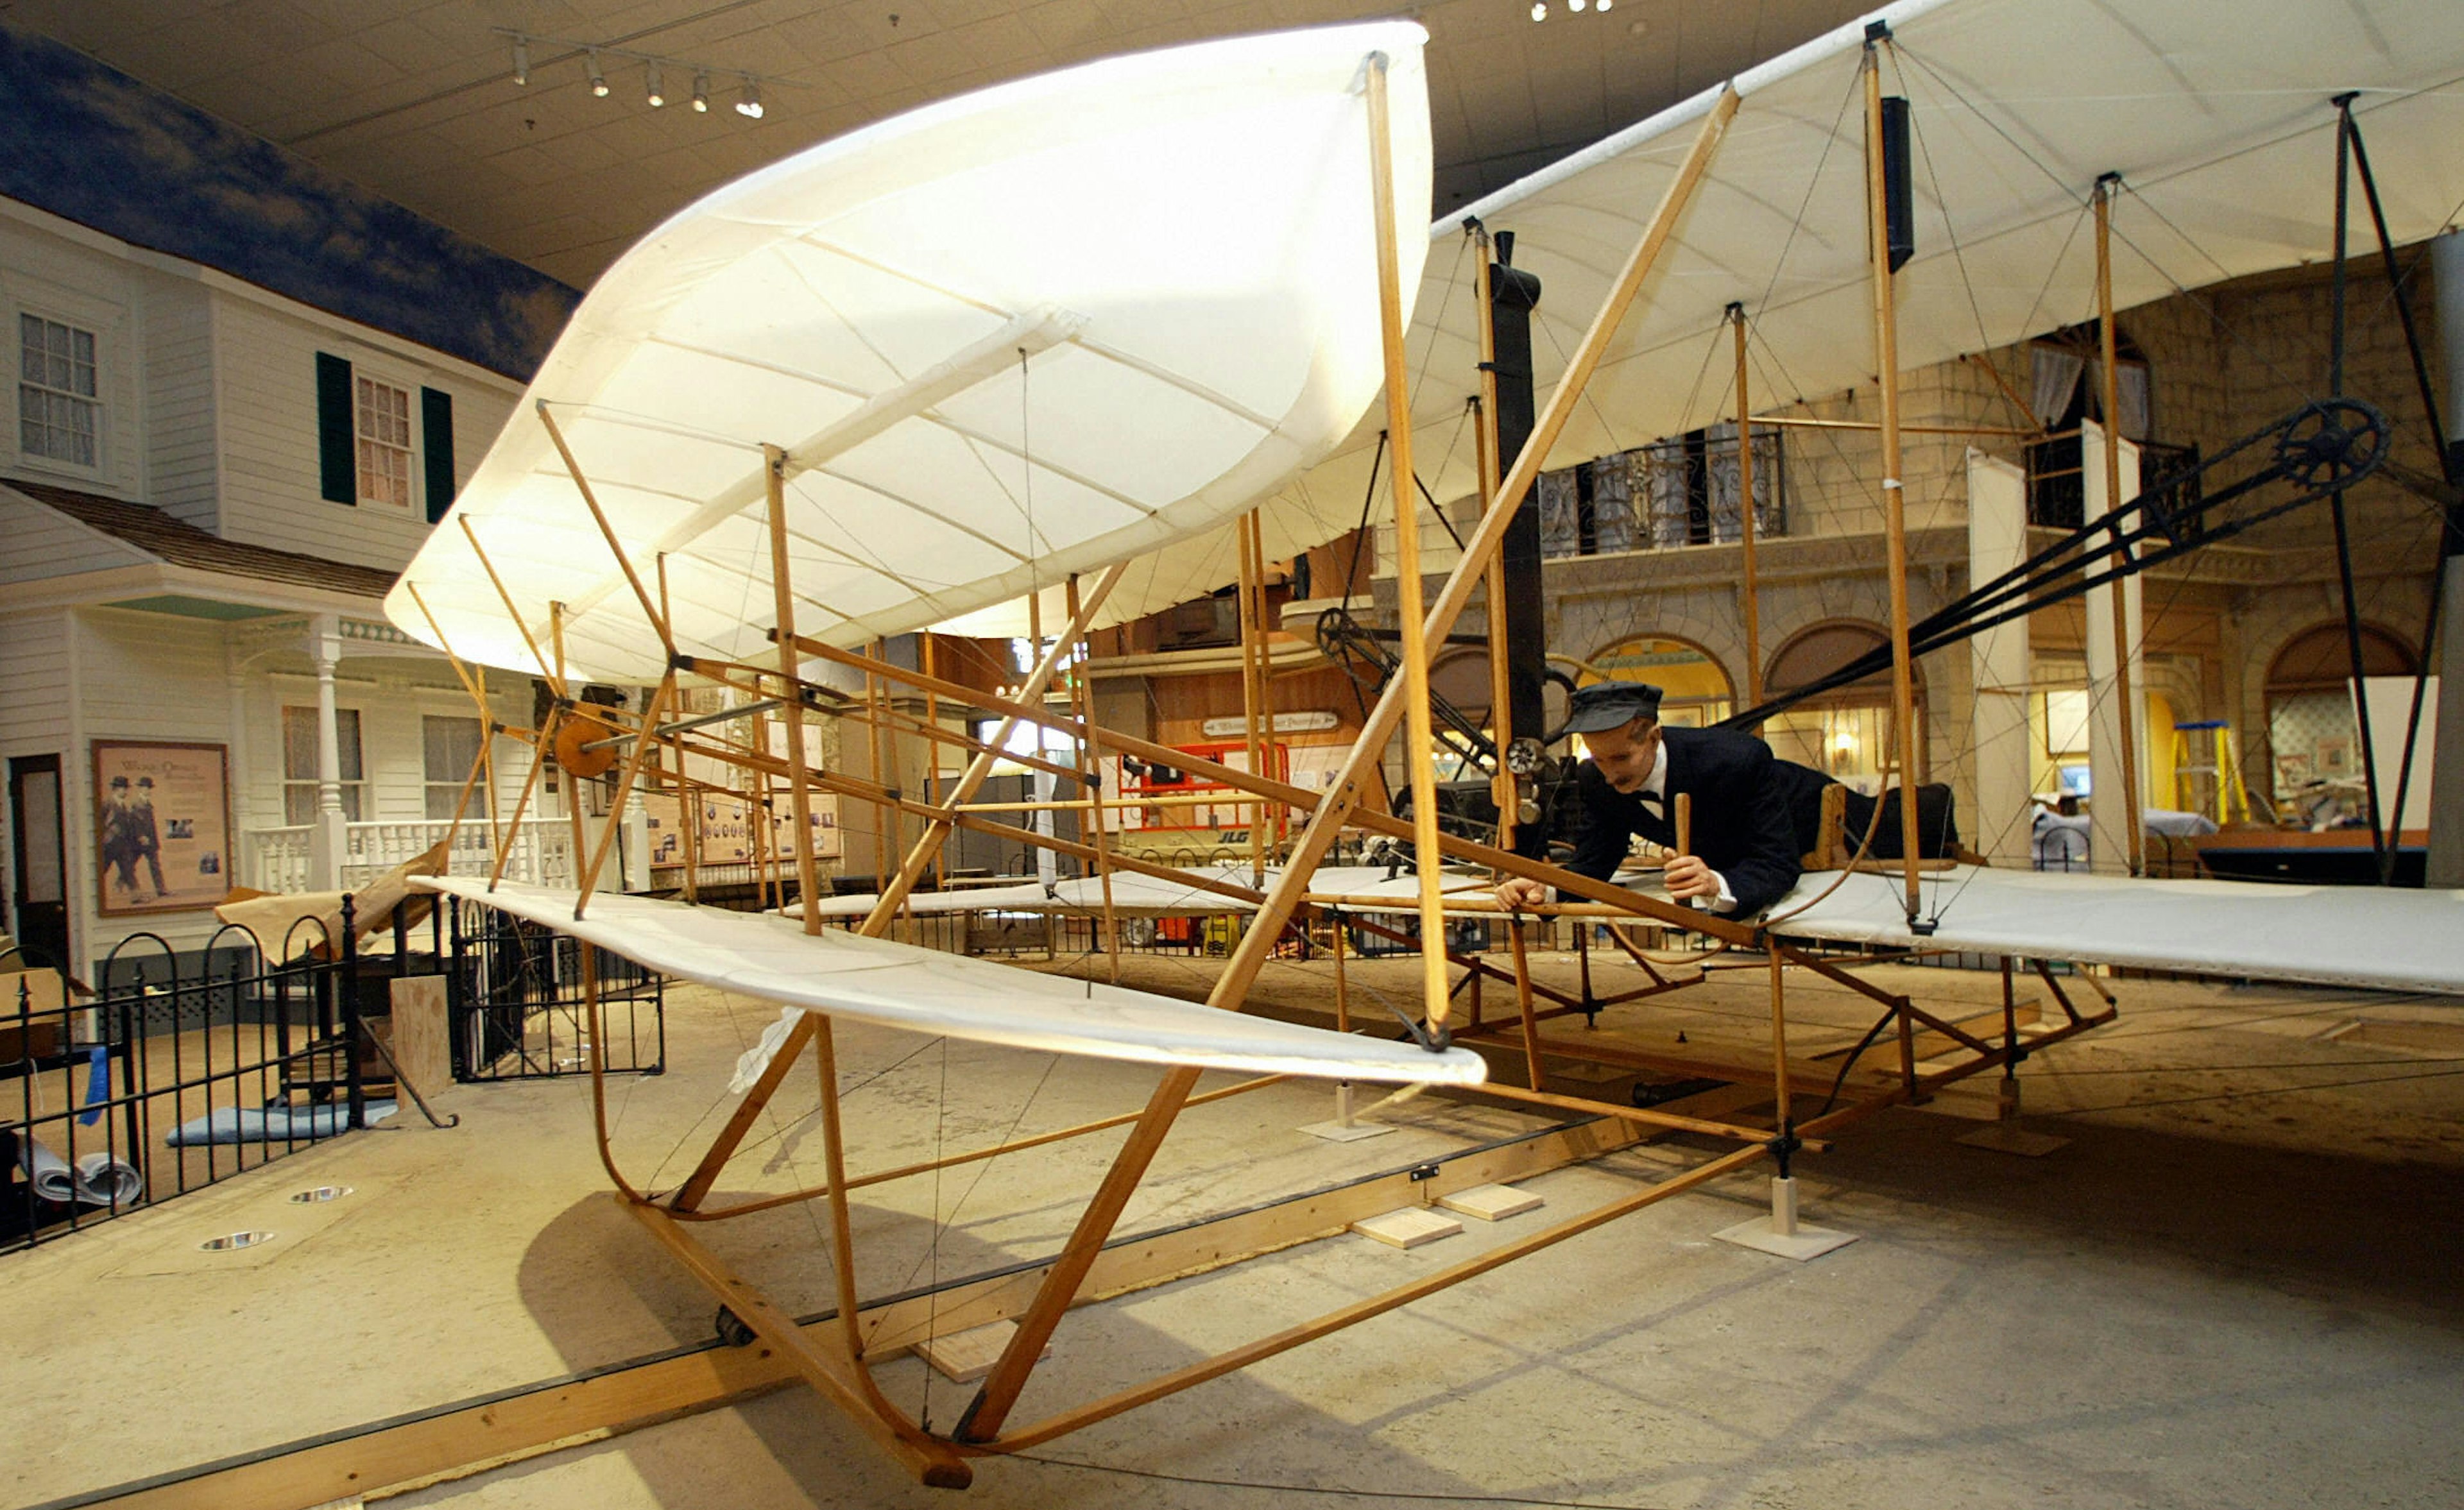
(1695, 691)
(1844, 733)
(2311, 729)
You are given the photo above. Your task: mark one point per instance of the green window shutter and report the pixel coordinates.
(336, 461)
(437, 440)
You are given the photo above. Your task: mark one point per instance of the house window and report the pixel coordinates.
(299, 763)
(383, 433)
(58, 414)
(450, 748)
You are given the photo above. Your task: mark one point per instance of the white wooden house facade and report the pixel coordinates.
(176, 567)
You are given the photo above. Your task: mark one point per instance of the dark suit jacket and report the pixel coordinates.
(1754, 814)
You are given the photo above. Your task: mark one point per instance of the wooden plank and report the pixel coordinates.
(1407, 1226)
(423, 1045)
(967, 1356)
(1491, 1202)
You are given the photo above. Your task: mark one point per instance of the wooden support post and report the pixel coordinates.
(1780, 1091)
(1091, 777)
(782, 587)
(2125, 697)
(1420, 739)
(1750, 597)
(1252, 571)
(925, 644)
(1523, 1003)
(1895, 529)
(1342, 992)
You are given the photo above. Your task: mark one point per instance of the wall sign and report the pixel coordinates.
(161, 828)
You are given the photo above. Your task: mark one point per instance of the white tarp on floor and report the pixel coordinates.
(925, 991)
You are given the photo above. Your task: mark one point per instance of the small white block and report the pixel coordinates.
(1491, 1202)
(1340, 1131)
(965, 1357)
(1407, 1228)
(1804, 1243)
(2004, 1138)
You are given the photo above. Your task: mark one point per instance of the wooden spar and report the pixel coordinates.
(555, 677)
(825, 1060)
(588, 880)
(1069, 1421)
(1302, 799)
(547, 747)
(1523, 1003)
(968, 784)
(1072, 804)
(2125, 714)
(1751, 599)
(885, 822)
(933, 735)
(530, 784)
(688, 808)
(1504, 791)
(1251, 570)
(1091, 778)
(782, 587)
(608, 532)
(1895, 524)
(474, 680)
(1420, 739)
(1001, 1387)
(1796, 422)
(1780, 1091)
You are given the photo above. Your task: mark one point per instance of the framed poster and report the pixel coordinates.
(161, 826)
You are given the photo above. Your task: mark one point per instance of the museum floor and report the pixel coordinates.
(2234, 1285)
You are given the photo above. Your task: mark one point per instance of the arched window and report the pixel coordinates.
(1695, 691)
(1846, 731)
(2311, 729)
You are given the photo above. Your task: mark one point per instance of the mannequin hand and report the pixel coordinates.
(1519, 892)
(1687, 877)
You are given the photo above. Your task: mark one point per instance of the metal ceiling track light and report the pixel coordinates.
(656, 68)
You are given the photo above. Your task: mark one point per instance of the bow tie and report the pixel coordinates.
(1652, 802)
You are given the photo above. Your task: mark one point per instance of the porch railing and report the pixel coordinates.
(277, 859)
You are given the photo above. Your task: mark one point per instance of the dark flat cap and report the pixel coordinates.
(1611, 704)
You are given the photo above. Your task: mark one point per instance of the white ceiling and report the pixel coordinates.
(415, 98)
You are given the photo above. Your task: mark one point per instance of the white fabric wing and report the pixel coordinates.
(1027, 332)
(925, 991)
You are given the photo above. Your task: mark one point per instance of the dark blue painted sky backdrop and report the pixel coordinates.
(91, 144)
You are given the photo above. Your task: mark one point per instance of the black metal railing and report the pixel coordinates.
(516, 1008)
(172, 1077)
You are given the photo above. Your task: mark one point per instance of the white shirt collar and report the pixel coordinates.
(1654, 786)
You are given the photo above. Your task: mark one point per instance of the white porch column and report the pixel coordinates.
(327, 839)
(2108, 813)
(1998, 543)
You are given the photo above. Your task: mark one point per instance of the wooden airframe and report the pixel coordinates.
(833, 1358)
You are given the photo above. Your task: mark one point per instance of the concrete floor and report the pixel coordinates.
(2235, 1285)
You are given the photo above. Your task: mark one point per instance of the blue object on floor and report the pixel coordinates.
(270, 1123)
(97, 1083)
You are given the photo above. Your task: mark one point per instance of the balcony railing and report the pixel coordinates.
(277, 859)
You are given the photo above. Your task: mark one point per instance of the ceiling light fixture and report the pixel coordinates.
(1575, 5)
(1540, 9)
(1604, 4)
(656, 68)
